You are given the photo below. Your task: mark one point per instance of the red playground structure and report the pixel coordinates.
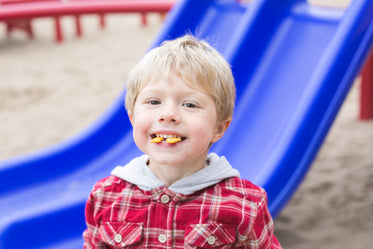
(366, 91)
(18, 14)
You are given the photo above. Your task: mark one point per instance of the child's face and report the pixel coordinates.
(174, 109)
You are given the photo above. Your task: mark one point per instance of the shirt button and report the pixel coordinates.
(211, 240)
(162, 238)
(118, 238)
(165, 199)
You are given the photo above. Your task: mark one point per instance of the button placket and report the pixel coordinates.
(165, 199)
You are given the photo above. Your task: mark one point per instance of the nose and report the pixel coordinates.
(169, 114)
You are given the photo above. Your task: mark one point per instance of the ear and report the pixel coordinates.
(220, 130)
(130, 116)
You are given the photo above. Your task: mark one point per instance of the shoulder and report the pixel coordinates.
(245, 188)
(250, 197)
(106, 182)
(106, 192)
(109, 185)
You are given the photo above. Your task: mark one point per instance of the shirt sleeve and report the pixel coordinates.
(92, 211)
(256, 231)
(88, 235)
(262, 233)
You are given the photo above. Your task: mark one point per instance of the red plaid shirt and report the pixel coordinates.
(230, 214)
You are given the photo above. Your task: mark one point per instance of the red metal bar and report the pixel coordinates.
(102, 21)
(366, 91)
(144, 19)
(58, 28)
(78, 26)
(3, 2)
(76, 7)
(22, 24)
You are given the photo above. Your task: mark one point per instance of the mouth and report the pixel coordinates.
(165, 138)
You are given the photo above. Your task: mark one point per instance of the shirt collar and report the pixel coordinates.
(137, 172)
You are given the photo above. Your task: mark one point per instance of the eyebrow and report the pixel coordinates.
(157, 90)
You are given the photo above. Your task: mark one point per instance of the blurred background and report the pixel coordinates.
(51, 91)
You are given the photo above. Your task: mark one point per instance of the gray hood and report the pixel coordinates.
(137, 172)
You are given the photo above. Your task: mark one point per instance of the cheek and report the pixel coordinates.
(202, 132)
(140, 128)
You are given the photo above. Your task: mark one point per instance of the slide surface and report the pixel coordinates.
(293, 63)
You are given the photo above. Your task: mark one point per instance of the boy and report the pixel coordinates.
(180, 100)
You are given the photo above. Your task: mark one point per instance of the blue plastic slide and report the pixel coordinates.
(293, 63)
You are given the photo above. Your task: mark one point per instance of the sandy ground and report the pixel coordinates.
(49, 92)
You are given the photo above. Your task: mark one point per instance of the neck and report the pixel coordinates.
(169, 174)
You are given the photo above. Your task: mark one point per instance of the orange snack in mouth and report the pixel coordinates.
(169, 140)
(157, 140)
(173, 140)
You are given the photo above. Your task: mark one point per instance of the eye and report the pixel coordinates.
(153, 102)
(190, 105)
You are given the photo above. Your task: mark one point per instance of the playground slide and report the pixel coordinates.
(293, 63)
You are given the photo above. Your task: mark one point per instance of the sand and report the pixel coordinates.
(50, 92)
(333, 208)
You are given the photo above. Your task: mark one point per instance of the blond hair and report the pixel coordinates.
(196, 62)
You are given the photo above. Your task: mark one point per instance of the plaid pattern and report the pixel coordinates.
(230, 214)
